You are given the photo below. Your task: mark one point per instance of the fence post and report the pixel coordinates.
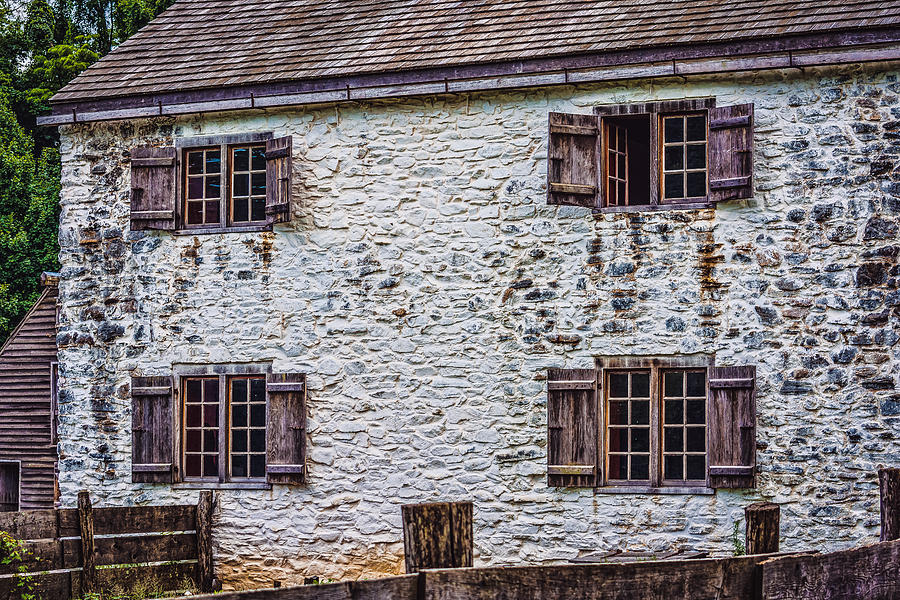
(86, 530)
(889, 485)
(204, 542)
(763, 527)
(437, 535)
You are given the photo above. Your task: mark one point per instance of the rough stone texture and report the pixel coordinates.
(425, 286)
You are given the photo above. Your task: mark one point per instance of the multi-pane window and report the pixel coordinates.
(617, 165)
(224, 433)
(684, 157)
(224, 186)
(655, 426)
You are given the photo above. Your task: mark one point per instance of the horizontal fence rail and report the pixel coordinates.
(70, 552)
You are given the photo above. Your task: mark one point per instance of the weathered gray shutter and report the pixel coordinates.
(278, 179)
(286, 428)
(572, 176)
(152, 444)
(731, 152)
(572, 428)
(732, 427)
(153, 188)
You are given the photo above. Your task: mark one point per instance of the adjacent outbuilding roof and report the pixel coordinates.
(201, 45)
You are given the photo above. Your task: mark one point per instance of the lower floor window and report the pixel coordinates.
(224, 427)
(656, 426)
(9, 487)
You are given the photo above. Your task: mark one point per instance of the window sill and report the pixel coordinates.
(653, 207)
(206, 230)
(634, 489)
(214, 485)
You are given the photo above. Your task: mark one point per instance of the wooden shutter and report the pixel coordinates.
(278, 179)
(732, 427)
(731, 152)
(153, 188)
(286, 428)
(572, 428)
(152, 443)
(572, 176)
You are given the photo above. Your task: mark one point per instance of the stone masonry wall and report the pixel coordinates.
(425, 286)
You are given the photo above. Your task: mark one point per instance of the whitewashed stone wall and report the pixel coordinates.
(425, 286)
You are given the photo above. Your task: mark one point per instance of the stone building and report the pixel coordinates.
(611, 271)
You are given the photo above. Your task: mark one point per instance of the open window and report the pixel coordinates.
(651, 156)
(10, 475)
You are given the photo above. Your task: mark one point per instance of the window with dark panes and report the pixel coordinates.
(652, 155)
(224, 434)
(203, 186)
(684, 425)
(628, 426)
(248, 184)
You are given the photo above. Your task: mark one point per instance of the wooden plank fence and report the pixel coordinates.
(71, 552)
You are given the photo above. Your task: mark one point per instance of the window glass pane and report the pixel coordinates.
(195, 162)
(640, 467)
(674, 412)
(696, 411)
(640, 412)
(673, 385)
(241, 214)
(241, 185)
(613, 199)
(259, 158)
(211, 390)
(622, 193)
(696, 156)
(258, 209)
(618, 440)
(239, 466)
(257, 465)
(618, 412)
(618, 466)
(257, 440)
(238, 390)
(212, 187)
(210, 465)
(239, 415)
(618, 385)
(194, 389)
(640, 439)
(195, 213)
(696, 384)
(257, 390)
(674, 467)
(210, 440)
(258, 184)
(612, 165)
(212, 211)
(696, 439)
(622, 169)
(192, 465)
(696, 128)
(211, 414)
(640, 385)
(239, 440)
(193, 443)
(674, 158)
(674, 185)
(257, 415)
(673, 439)
(241, 159)
(213, 161)
(674, 129)
(194, 415)
(195, 187)
(696, 467)
(696, 184)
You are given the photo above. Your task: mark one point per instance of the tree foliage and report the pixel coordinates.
(44, 44)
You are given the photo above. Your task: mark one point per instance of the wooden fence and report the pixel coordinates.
(71, 552)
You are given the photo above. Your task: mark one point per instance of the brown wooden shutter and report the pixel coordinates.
(572, 428)
(731, 152)
(278, 179)
(572, 177)
(152, 444)
(153, 188)
(732, 427)
(286, 428)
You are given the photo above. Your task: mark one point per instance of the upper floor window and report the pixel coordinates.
(627, 157)
(214, 183)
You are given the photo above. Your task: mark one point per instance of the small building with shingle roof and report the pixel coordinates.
(611, 270)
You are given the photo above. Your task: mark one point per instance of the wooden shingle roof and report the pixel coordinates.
(203, 44)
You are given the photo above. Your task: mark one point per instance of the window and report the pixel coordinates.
(651, 156)
(224, 434)
(219, 425)
(632, 411)
(671, 425)
(210, 184)
(9, 486)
